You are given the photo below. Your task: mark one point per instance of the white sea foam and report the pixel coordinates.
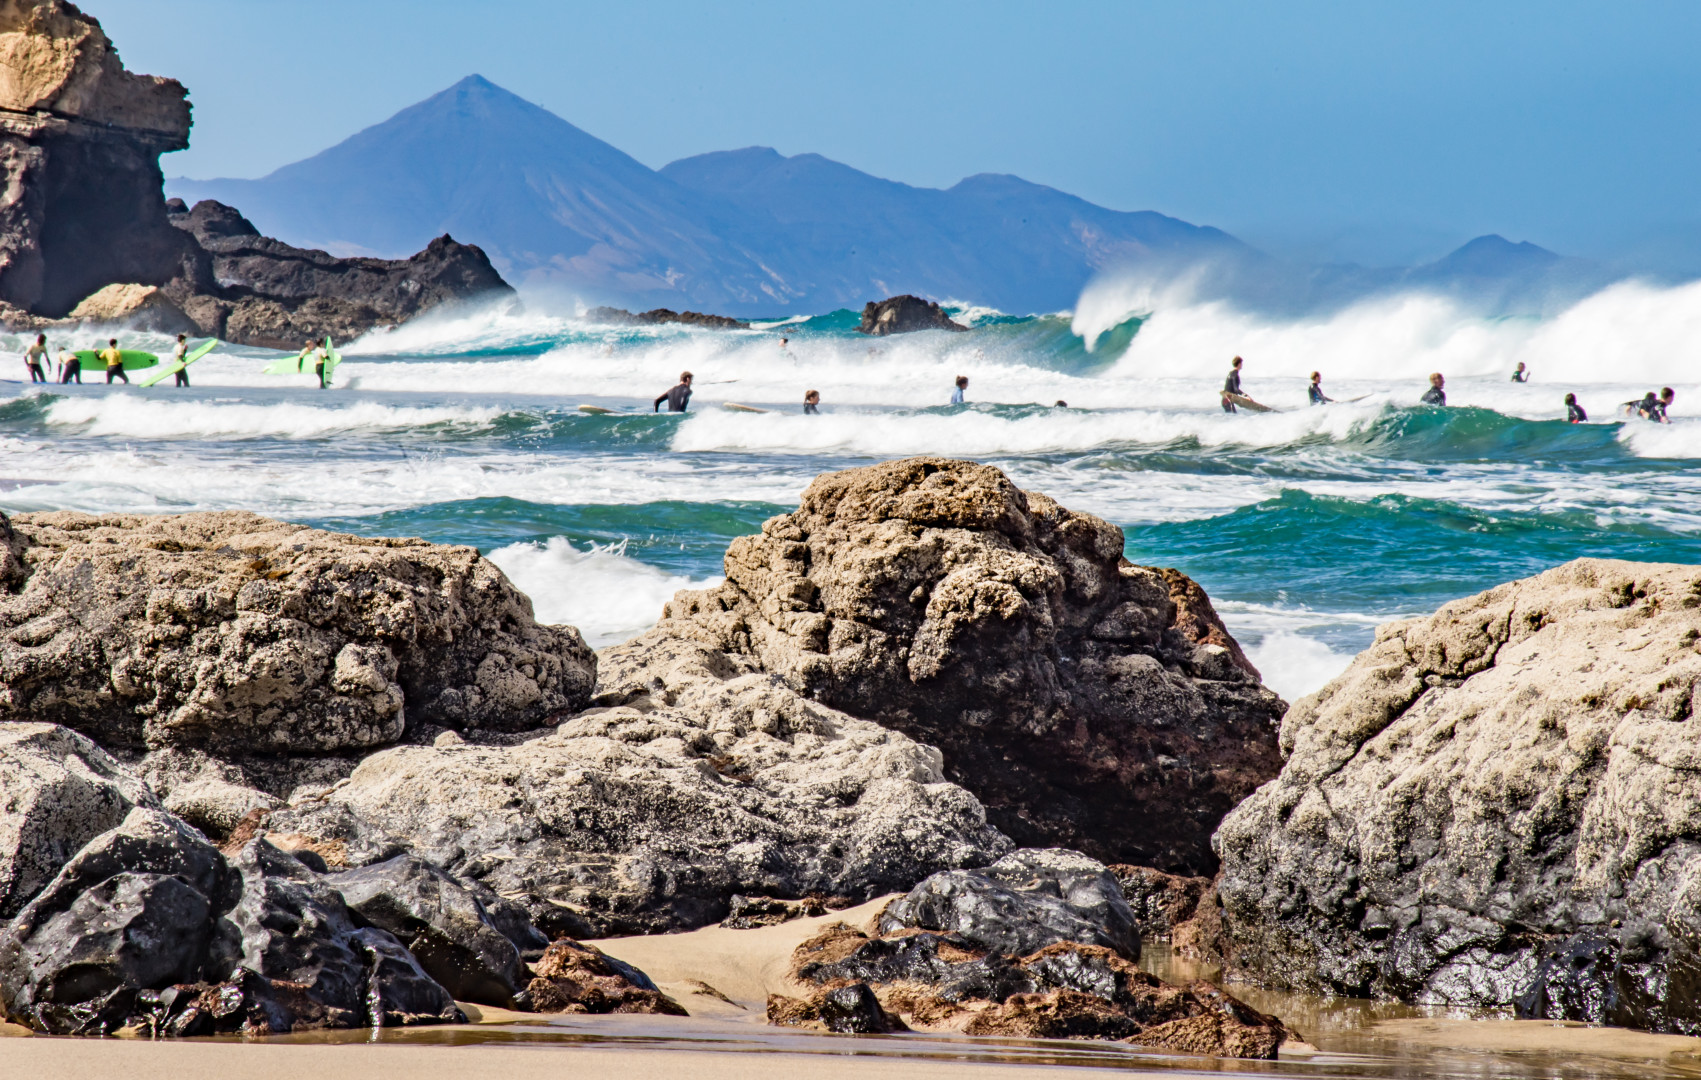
(609, 596)
(127, 413)
(1294, 665)
(1679, 439)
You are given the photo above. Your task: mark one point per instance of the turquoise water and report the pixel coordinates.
(1308, 526)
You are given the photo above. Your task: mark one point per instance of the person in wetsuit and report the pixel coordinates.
(114, 362)
(35, 356)
(1315, 390)
(812, 403)
(70, 366)
(1574, 413)
(1667, 396)
(962, 386)
(1231, 385)
(1435, 395)
(1519, 374)
(678, 397)
(178, 352)
(1647, 407)
(321, 356)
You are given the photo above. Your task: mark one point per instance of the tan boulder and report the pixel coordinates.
(139, 307)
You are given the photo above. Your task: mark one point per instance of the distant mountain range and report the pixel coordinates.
(752, 232)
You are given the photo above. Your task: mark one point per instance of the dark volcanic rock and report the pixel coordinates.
(659, 316)
(847, 1010)
(1088, 702)
(1160, 901)
(903, 315)
(574, 977)
(1020, 904)
(249, 636)
(443, 924)
(749, 912)
(1497, 805)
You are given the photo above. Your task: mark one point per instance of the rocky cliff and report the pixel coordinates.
(81, 207)
(1496, 805)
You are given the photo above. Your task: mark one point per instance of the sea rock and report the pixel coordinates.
(58, 791)
(248, 636)
(750, 912)
(903, 315)
(695, 779)
(573, 977)
(1020, 904)
(266, 292)
(442, 924)
(1087, 702)
(139, 307)
(662, 316)
(1160, 902)
(847, 1010)
(1066, 990)
(1499, 804)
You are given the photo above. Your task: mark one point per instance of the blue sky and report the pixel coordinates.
(1375, 132)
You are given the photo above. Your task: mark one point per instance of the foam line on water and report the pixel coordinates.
(609, 596)
(123, 413)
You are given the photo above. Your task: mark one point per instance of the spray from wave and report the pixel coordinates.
(609, 596)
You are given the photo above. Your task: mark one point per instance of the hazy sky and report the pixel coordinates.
(1369, 131)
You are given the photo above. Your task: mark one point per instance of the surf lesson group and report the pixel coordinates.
(319, 357)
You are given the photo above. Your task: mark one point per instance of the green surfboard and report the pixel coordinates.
(332, 359)
(175, 366)
(303, 365)
(133, 360)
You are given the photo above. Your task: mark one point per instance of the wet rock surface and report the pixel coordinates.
(904, 315)
(707, 779)
(573, 977)
(249, 636)
(1495, 805)
(662, 316)
(845, 1010)
(1087, 702)
(1025, 901)
(1066, 990)
(1160, 902)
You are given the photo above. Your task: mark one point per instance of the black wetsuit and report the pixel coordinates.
(1647, 408)
(1520, 376)
(1231, 385)
(1317, 396)
(73, 371)
(1574, 413)
(1434, 396)
(676, 399)
(1658, 412)
(811, 409)
(177, 355)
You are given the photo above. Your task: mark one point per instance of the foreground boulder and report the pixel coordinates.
(247, 636)
(903, 315)
(700, 779)
(1088, 702)
(1497, 805)
(573, 977)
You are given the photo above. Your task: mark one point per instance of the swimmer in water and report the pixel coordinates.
(1061, 404)
(1231, 385)
(1519, 374)
(812, 403)
(1574, 413)
(1315, 391)
(677, 398)
(1436, 394)
(957, 394)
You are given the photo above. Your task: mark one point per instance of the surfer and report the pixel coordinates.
(1574, 413)
(1436, 394)
(70, 366)
(1231, 385)
(812, 403)
(301, 357)
(1651, 406)
(320, 356)
(1315, 390)
(957, 394)
(178, 353)
(35, 356)
(1658, 413)
(1060, 404)
(1519, 374)
(678, 397)
(114, 362)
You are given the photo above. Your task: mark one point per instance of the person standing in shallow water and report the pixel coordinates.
(1519, 374)
(178, 352)
(1231, 385)
(1314, 392)
(1436, 394)
(962, 385)
(70, 365)
(114, 362)
(1574, 413)
(34, 357)
(812, 403)
(677, 398)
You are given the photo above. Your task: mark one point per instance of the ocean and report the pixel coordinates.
(1308, 526)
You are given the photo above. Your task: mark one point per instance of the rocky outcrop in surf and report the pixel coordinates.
(1496, 805)
(1087, 702)
(80, 140)
(903, 315)
(663, 316)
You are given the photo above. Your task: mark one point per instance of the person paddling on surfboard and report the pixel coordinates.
(677, 398)
(114, 362)
(1315, 390)
(1435, 395)
(1231, 385)
(178, 353)
(34, 357)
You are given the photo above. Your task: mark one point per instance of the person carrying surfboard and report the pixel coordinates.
(70, 366)
(1315, 390)
(1231, 385)
(35, 356)
(114, 362)
(178, 353)
(1436, 394)
(678, 397)
(320, 355)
